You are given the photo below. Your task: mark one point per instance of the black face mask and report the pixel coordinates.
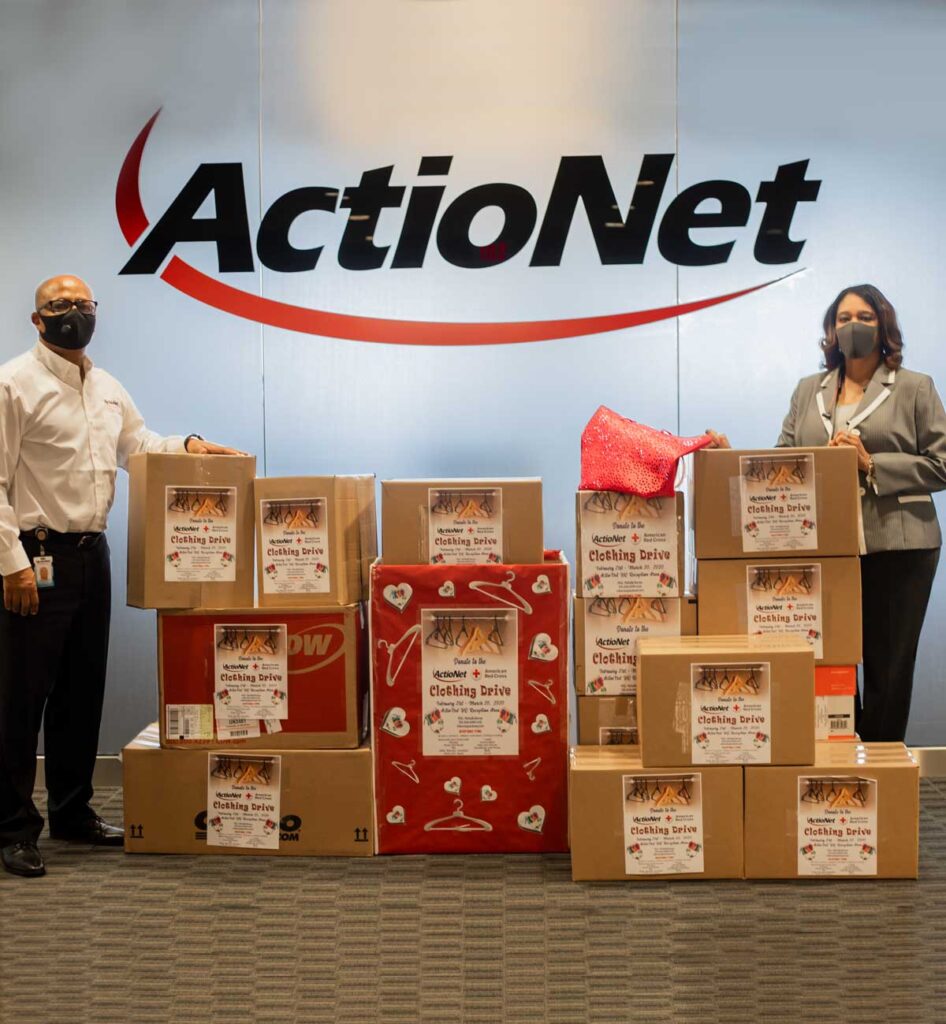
(857, 340)
(69, 330)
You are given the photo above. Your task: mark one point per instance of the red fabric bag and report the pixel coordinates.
(618, 454)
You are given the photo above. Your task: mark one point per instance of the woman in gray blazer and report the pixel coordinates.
(895, 421)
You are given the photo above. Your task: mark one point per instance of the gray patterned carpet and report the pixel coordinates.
(111, 939)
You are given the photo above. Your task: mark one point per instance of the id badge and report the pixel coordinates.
(43, 571)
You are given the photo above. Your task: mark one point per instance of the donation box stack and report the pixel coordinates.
(630, 585)
(732, 777)
(261, 741)
(469, 670)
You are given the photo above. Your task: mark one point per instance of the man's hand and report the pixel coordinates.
(195, 446)
(20, 595)
(842, 439)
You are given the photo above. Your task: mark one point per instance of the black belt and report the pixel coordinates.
(43, 535)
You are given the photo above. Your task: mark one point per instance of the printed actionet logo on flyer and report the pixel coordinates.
(431, 221)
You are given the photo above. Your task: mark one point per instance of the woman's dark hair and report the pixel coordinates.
(891, 341)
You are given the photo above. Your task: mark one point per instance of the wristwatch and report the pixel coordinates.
(192, 437)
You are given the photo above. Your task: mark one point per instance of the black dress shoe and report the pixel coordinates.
(23, 859)
(94, 831)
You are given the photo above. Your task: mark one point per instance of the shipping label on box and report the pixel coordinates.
(470, 681)
(243, 801)
(777, 503)
(464, 525)
(612, 627)
(251, 670)
(295, 546)
(628, 545)
(837, 825)
(200, 534)
(663, 824)
(783, 598)
(731, 713)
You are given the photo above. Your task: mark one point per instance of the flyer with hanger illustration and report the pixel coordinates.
(200, 542)
(294, 546)
(469, 681)
(612, 627)
(464, 525)
(786, 599)
(837, 825)
(243, 801)
(663, 824)
(731, 713)
(629, 544)
(251, 671)
(777, 503)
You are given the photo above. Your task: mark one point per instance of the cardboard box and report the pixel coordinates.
(326, 806)
(835, 694)
(776, 501)
(619, 811)
(628, 545)
(313, 537)
(325, 684)
(819, 599)
(855, 814)
(607, 630)
(469, 683)
(462, 522)
(726, 700)
(607, 721)
(190, 531)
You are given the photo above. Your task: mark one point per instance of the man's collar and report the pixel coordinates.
(67, 372)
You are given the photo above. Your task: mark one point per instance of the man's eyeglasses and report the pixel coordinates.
(60, 306)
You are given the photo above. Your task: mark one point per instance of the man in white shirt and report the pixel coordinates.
(65, 428)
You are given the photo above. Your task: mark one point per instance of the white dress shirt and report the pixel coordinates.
(62, 439)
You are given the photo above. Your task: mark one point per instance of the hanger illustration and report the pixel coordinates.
(798, 473)
(502, 592)
(261, 642)
(639, 791)
(437, 637)
(604, 606)
(672, 796)
(481, 642)
(600, 502)
(545, 689)
(458, 822)
(228, 641)
(531, 767)
(407, 769)
(762, 580)
(199, 501)
(398, 653)
(814, 794)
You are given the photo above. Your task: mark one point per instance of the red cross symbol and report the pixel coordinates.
(476, 673)
(635, 538)
(206, 528)
(469, 529)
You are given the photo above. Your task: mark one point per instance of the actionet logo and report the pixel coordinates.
(429, 222)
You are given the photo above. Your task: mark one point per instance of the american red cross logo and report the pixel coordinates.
(476, 673)
(635, 538)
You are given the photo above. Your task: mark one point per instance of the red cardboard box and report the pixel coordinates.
(470, 707)
(326, 682)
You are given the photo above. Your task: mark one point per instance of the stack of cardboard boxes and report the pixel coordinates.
(262, 708)
(729, 780)
(469, 651)
(630, 573)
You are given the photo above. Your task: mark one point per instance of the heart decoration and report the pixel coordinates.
(542, 648)
(395, 722)
(532, 820)
(396, 815)
(398, 595)
(541, 724)
(488, 794)
(542, 585)
(453, 785)
(447, 589)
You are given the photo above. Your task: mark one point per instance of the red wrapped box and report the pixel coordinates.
(326, 677)
(470, 707)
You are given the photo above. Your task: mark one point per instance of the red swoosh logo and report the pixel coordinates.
(181, 275)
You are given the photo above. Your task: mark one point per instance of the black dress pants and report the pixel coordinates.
(895, 590)
(54, 662)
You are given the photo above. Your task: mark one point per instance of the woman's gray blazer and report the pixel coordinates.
(902, 424)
